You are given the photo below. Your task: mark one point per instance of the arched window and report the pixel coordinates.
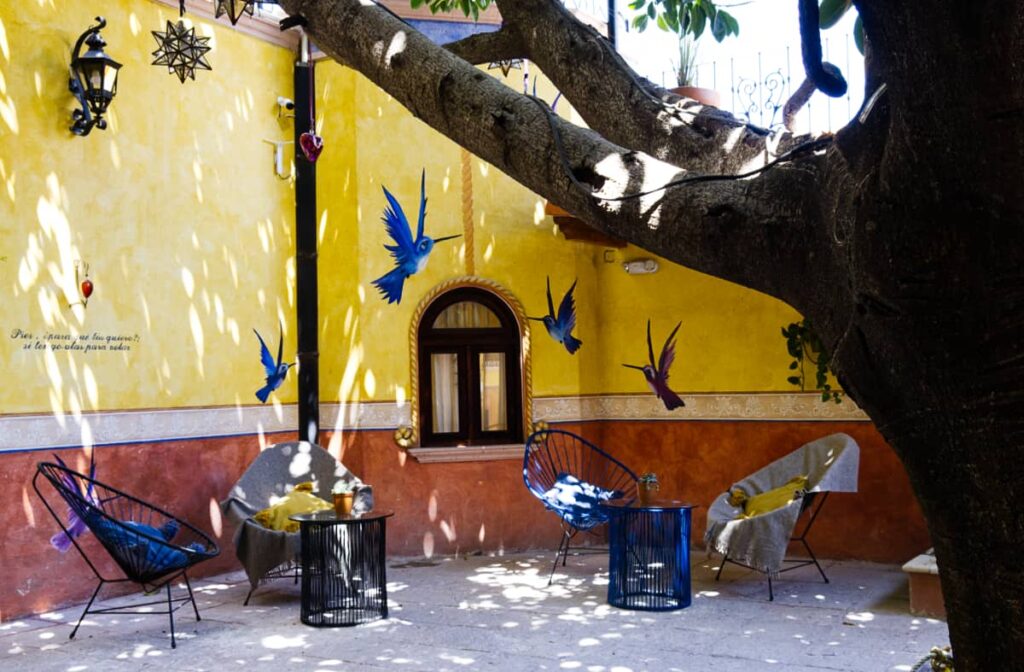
(469, 362)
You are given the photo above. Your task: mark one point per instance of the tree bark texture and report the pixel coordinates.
(903, 241)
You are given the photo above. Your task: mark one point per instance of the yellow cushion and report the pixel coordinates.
(774, 499)
(299, 500)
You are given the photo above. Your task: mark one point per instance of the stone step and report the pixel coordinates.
(925, 590)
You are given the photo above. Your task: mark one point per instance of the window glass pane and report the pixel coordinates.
(492, 392)
(467, 315)
(444, 377)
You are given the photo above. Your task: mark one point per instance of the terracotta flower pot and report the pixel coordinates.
(646, 492)
(343, 503)
(701, 95)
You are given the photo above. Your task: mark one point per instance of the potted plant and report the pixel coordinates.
(686, 75)
(647, 487)
(344, 496)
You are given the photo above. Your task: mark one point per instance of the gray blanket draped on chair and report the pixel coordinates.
(830, 464)
(273, 474)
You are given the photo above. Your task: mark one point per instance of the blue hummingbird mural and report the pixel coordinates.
(657, 375)
(410, 255)
(276, 371)
(560, 326)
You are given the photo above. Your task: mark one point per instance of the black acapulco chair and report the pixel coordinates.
(551, 456)
(150, 546)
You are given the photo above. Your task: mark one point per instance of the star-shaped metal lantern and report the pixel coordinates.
(181, 51)
(234, 9)
(506, 65)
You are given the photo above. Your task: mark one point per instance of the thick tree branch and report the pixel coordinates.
(627, 110)
(738, 230)
(501, 45)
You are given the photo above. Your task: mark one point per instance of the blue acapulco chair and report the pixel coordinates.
(150, 546)
(555, 458)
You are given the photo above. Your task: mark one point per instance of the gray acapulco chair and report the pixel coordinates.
(272, 554)
(831, 464)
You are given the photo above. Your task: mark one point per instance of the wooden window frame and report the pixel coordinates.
(468, 344)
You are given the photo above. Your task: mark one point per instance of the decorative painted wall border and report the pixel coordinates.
(778, 406)
(41, 432)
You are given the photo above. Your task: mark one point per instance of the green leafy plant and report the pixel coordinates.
(804, 345)
(684, 17)
(343, 488)
(468, 7)
(686, 71)
(831, 11)
(649, 479)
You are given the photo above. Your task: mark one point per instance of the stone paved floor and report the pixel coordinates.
(496, 613)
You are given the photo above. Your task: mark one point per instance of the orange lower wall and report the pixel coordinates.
(442, 509)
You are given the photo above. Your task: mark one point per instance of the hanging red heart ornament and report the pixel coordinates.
(311, 145)
(86, 288)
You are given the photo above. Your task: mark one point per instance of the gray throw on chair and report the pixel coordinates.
(830, 464)
(273, 474)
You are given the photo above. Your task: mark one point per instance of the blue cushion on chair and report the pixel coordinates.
(158, 558)
(577, 500)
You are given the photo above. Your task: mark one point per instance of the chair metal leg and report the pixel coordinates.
(170, 615)
(721, 566)
(191, 597)
(249, 594)
(82, 617)
(814, 559)
(563, 544)
(771, 593)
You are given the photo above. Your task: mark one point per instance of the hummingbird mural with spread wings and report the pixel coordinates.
(410, 255)
(560, 325)
(76, 527)
(275, 371)
(656, 375)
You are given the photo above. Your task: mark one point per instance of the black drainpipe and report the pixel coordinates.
(612, 34)
(305, 255)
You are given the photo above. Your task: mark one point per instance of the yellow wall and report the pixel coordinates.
(730, 336)
(175, 206)
(189, 236)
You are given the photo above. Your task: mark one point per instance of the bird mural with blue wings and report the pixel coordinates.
(656, 375)
(410, 254)
(76, 527)
(560, 325)
(275, 371)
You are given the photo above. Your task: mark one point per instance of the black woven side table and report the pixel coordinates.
(344, 576)
(649, 558)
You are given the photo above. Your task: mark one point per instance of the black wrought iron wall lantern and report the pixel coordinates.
(93, 80)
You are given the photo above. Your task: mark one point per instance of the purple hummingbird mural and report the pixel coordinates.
(560, 326)
(657, 375)
(554, 104)
(76, 527)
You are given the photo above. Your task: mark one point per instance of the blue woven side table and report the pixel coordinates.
(649, 558)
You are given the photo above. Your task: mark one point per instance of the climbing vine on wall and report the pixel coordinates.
(805, 347)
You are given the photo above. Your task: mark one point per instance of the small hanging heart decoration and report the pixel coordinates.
(311, 145)
(86, 288)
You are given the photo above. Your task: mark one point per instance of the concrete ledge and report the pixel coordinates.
(925, 590)
(468, 453)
